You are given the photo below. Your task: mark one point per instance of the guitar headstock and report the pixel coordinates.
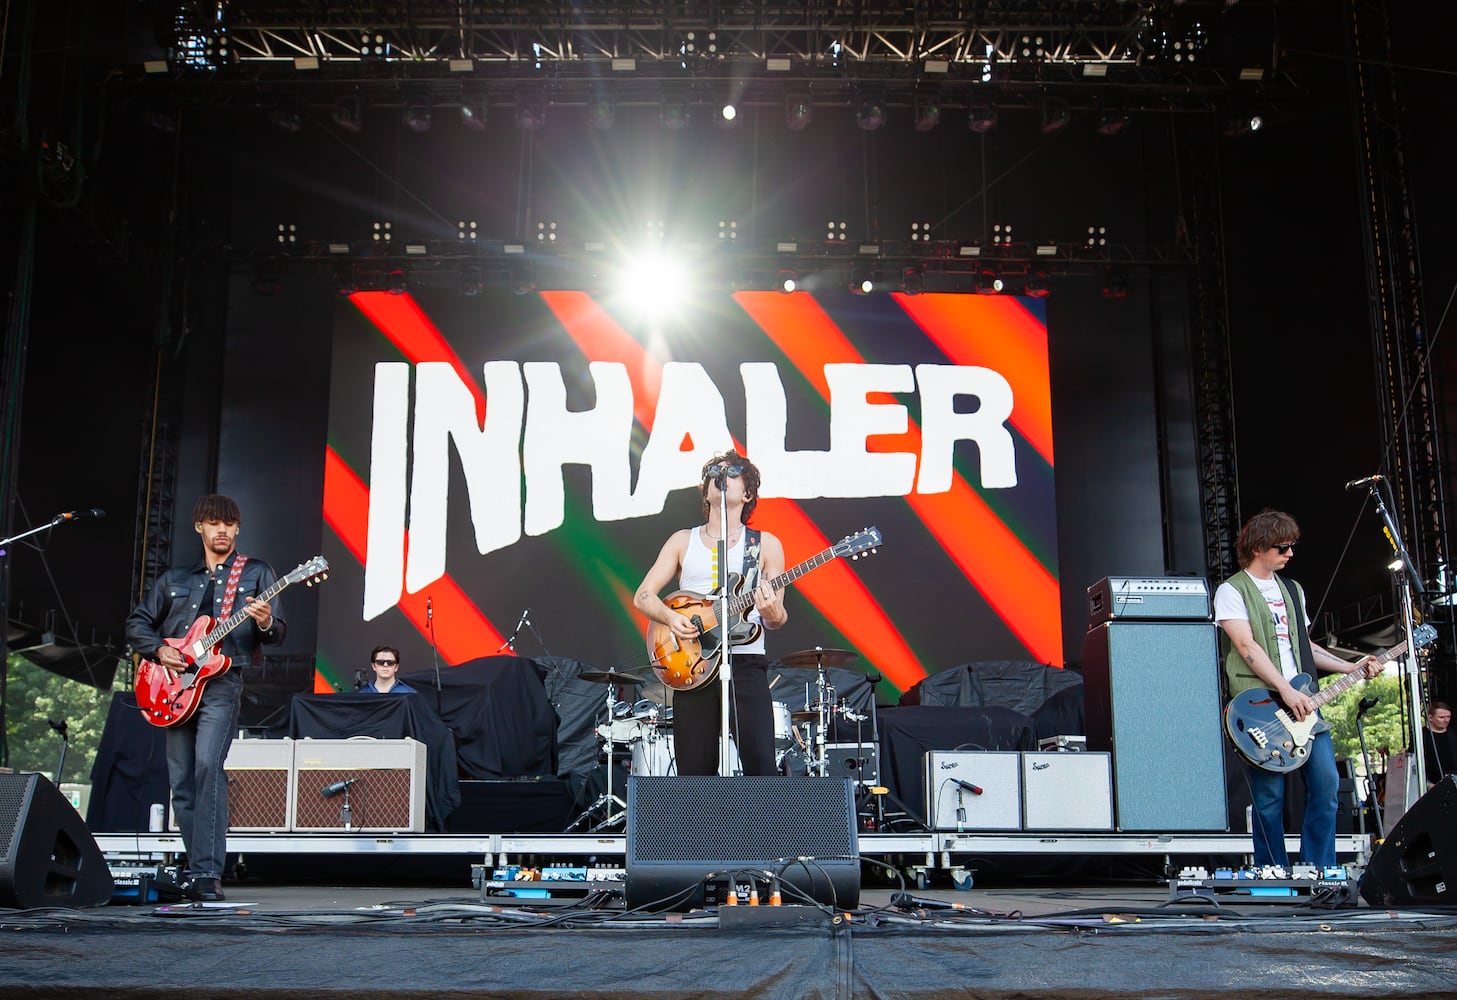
(863, 542)
(1422, 635)
(316, 570)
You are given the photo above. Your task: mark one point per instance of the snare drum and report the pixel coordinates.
(783, 726)
(655, 757)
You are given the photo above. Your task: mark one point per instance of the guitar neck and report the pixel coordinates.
(745, 601)
(223, 629)
(1339, 687)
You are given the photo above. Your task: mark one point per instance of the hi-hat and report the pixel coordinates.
(814, 657)
(611, 677)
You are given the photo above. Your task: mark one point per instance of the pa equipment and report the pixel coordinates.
(47, 856)
(1163, 598)
(690, 838)
(1417, 863)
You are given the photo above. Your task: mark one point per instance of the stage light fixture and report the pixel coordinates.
(982, 116)
(417, 116)
(348, 113)
(869, 111)
(345, 281)
(266, 283)
(1055, 115)
(1115, 284)
(989, 282)
(1037, 286)
(729, 116)
(786, 281)
(862, 280)
(913, 280)
(1241, 123)
(798, 111)
(531, 113)
(395, 282)
(1112, 121)
(286, 118)
(927, 112)
(470, 281)
(673, 113)
(473, 113)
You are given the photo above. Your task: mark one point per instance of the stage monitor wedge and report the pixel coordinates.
(1416, 865)
(47, 855)
(687, 837)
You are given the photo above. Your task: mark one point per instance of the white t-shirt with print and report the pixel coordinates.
(1229, 604)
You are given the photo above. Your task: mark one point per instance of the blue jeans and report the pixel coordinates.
(196, 751)
(1318, 832)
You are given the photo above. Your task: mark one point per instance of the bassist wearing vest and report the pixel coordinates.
(218, 585)
(691, 555)
(1265, 639)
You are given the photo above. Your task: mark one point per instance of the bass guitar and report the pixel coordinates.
(1265, 732)
(167, 699)
(684, 664)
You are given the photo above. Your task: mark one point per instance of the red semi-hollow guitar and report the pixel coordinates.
(167, 699)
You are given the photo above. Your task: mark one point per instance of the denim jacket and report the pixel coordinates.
(171, 606)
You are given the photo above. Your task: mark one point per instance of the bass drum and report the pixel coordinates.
(655, 756)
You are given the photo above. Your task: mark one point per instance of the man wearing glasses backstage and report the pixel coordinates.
(386, 663)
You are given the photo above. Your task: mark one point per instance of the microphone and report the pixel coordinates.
(329, 791)
(1356, 484)
(905, 901)
(358, 680)
(429, 610)
(520, 624)
(973, 789)
(59, 727)
(95, 514)
(1367, 703)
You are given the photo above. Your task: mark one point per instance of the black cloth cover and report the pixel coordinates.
(130, 770)
(1061, 714)
(1019, 685)
(906, 733)
(580, 707)
(787, 684)
(387, 717)
(497, 706)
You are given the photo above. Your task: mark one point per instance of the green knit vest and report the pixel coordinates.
(1237, 673)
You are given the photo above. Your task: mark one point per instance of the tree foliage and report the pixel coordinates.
(34, 698)
(1384, 723)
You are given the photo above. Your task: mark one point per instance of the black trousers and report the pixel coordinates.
(751, 720)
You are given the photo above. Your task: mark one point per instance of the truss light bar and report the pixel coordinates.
(869, 249)
(312, 62)
(513, 248)
(1047, 249)
(462, 65)
(338, 247)
(416, 249)
(624, 65)
(777, 64)
(783, 247)
(937, 66)
(969, 250)
(155, 66)
(1252, 74)
(1093, 69)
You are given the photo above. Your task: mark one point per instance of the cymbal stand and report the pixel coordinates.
(824, 695)
(607, 801)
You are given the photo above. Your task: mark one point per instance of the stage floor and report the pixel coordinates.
(1014, 935)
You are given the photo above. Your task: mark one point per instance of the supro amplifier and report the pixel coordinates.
(1166, 598)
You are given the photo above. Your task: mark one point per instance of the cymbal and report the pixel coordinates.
(814, 657)
(806, 715)
(611, 677)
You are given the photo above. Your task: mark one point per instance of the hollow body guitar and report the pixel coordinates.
(1267, 734)
(168, 700)
(684, 664)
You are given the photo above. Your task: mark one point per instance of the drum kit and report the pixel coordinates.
(642, 731)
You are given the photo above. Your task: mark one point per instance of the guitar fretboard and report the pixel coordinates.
(225, 627)
(1338, 687)
(745, 601)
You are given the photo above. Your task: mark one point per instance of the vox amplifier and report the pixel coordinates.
(359, 784)
(260, 787)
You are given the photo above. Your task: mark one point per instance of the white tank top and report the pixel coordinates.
(699, 573)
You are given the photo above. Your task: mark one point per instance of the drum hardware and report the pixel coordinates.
(612, 807)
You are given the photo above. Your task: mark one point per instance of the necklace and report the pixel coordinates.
(712, 537)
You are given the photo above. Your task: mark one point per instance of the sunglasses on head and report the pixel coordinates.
(714, 471)
(1285, 549)
(385, 663)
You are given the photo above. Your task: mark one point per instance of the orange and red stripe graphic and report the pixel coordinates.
(1011, 579)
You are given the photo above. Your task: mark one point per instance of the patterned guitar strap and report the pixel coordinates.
(230, 590)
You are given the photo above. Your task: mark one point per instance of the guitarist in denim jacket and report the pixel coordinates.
(1266, 643)
(197, 748)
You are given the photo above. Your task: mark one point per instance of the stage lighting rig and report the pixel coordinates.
(416, 116)
(798, 111)
(988, 282)
(982, 115)
(1055, 115)
(348, 113)
(870, 111)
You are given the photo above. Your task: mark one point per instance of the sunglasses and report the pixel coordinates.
(1285, 549)
(385, 663)
(734, 471)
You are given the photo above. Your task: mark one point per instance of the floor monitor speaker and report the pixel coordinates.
(47, 855)
(1417, 863)
(689, 838)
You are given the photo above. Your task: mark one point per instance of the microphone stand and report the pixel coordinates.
(434, 652)
(1407, 580)
(60, 728)
(1366, 762)
(725, 658)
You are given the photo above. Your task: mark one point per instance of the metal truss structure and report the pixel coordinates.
(1154, 54)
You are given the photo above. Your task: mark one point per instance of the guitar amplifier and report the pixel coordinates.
(1067, 791)
(260, 787)
(1165, 598)
(973, 790)
(386, 790)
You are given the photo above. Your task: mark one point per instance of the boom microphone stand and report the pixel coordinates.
(725, 658)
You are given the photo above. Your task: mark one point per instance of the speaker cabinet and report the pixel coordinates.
(860, 762)
(1152, 698)
(687, 837)
(973, 790)
(386, 791)
(1417, 863)
(260, 787)
(1067, 791)
(47, 856)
